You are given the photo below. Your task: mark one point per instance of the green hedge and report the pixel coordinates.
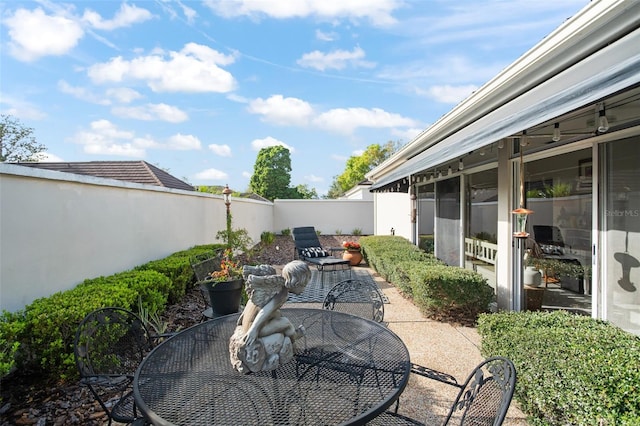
(440, 291)
(178, 268)
(572, 370)
(450, 292)
(40, 337)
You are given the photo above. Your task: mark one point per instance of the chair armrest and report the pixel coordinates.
(434, 375)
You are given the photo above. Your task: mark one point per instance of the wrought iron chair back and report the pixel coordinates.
(483, 399)
(109, 345)
(204, 264)
(356, 297)
(485, 396)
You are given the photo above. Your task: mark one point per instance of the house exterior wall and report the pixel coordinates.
(327, 216)
(359, 192)
(393, 210)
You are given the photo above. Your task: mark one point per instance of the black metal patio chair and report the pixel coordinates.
(356, 297)
(109, 345)
(483, 399)
(202, 266)
(309, 249)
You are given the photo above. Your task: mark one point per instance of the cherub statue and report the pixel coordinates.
(263, 339)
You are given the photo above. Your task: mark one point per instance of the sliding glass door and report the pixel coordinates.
(620, 195)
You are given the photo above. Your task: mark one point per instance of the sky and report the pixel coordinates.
(197, 88)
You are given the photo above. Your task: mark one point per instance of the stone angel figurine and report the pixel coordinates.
(263, 339)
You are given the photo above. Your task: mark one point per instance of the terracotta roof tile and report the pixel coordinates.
(129, 171)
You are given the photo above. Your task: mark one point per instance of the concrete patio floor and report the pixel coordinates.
(440, 346)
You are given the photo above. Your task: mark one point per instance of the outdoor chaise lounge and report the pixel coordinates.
(309, 249)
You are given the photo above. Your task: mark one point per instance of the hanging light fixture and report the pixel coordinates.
(603, 123)
(521, 214)
(449, 171)
(523, 140)
(501, 144)
(460, 165)
(556, 132)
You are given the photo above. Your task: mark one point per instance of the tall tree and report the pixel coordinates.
(272, 173)
(358, 166)
(17, 142)
(305, 192)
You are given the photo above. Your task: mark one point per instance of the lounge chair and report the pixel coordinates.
(309, 249)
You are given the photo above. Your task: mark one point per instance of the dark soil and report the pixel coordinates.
(28, 399)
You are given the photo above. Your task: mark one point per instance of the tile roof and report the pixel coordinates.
(130, 171)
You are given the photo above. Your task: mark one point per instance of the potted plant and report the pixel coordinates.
(352, 252)
(224, 286)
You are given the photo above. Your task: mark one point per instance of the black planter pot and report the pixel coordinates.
(224, 297)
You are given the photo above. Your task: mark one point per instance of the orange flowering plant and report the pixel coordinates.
(229, 269)
(351, 245)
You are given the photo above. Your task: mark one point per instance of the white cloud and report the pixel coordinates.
(189, 13)
(282, 111)
(339, 158)
(407, 135)
(152, 112)
(337, 60)
(221, 150)
(104, 138)
(450, 94)
(346, 120)
(194, 69)
(237, 98)
(20, 108)
(126, 16)
(448, 69)
(211, 174)
(33, 34)
(123, 94)
(246, 174)
(182, 142)
(47, 157)
(379, 12)
(258, 144)
(314, 178)
(321, 35)
(146, 142)
(357, 152)
(82, 93)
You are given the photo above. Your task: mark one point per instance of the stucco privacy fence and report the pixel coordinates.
(58, 229)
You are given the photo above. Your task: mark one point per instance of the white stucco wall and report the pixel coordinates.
(327, 216)
(393, 210)
(57, 229)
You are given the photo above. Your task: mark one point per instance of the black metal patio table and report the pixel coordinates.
(346, 371)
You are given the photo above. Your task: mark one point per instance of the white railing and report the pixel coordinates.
(481, 250)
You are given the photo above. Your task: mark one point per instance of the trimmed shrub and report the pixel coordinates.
(442, 292)
(40, 337)
(46, 341)
(450, 292)
(572, 369)
(11, 327)
(177, 267)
